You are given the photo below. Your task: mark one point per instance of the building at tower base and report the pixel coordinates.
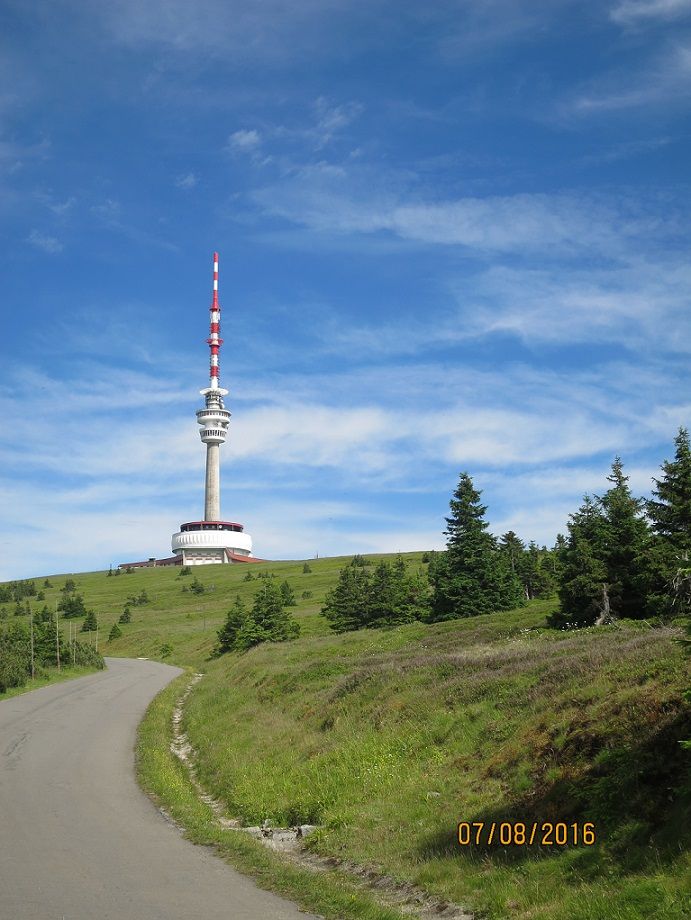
(204, 542)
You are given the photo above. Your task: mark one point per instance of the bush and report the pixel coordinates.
(125, 616)
(306, 569)
(14, 668)
(185, 570)
(197, 587)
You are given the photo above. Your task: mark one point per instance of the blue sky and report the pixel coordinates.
(453, 236)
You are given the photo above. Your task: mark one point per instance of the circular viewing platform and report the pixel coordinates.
(211, 525)
(202, 542)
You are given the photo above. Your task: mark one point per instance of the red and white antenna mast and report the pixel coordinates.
(214, 418)
(214, 341)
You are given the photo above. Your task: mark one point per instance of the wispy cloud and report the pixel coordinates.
(343, 201)
(332, 118)
(634, 12)
(664, 80)
(45, 242)
(244, 139)
(186, 181)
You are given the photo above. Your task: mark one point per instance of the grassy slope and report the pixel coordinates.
(388, 738)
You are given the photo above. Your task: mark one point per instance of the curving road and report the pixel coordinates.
(78, 838)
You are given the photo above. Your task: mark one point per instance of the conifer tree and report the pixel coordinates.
(513, 548)
(115, 632)
(627, 542)
(670, 510)
(270, 615)
(536, 572)
(346, 605)
(583, 583)
(90, 623)
(670, 515)
(126, 615)
(473, 578)
(235, 620)
(287, 594)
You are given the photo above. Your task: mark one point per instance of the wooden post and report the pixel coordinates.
(57, 636)
(31, 629)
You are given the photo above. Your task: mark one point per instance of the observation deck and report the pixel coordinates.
(204, 542)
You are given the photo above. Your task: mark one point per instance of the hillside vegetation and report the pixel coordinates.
(387, 738)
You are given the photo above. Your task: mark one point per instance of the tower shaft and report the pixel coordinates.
(212, 489)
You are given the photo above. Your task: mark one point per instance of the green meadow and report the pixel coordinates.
(388, 738)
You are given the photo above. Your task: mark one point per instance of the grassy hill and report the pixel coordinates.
(388, 738)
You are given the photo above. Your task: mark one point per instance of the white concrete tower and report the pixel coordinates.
(213, 540)
(214, 417)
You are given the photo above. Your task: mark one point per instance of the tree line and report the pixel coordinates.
(624, 556)
(36, 645)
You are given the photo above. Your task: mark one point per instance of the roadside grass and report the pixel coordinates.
(166, 780)
(388, 738)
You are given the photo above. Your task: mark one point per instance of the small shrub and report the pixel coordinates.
(197, 587)
(115, 632)
(306, 569)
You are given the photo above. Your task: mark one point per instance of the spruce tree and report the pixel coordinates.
(287, 594)
(270, 615)
(670, 510)
(346, 606)
(235, 620)
(473, 578)
(126, 615)
(90, 623)
(115, 632)
(513, 548)
(670, 515)
(627, 541)
(536, 572)
(583, 584)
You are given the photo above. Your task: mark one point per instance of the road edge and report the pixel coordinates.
(164, 779)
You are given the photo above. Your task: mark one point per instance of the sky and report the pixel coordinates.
(453, 236)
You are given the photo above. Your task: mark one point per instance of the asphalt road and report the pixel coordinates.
(78, 838)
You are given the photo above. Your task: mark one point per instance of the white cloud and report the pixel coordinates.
(244, 139)
(339, 201)
(333, 118)
(44, 241)
(186, 181)
(631, 12)
(666, 80)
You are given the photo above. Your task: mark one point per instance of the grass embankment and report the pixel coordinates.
(387, 738)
